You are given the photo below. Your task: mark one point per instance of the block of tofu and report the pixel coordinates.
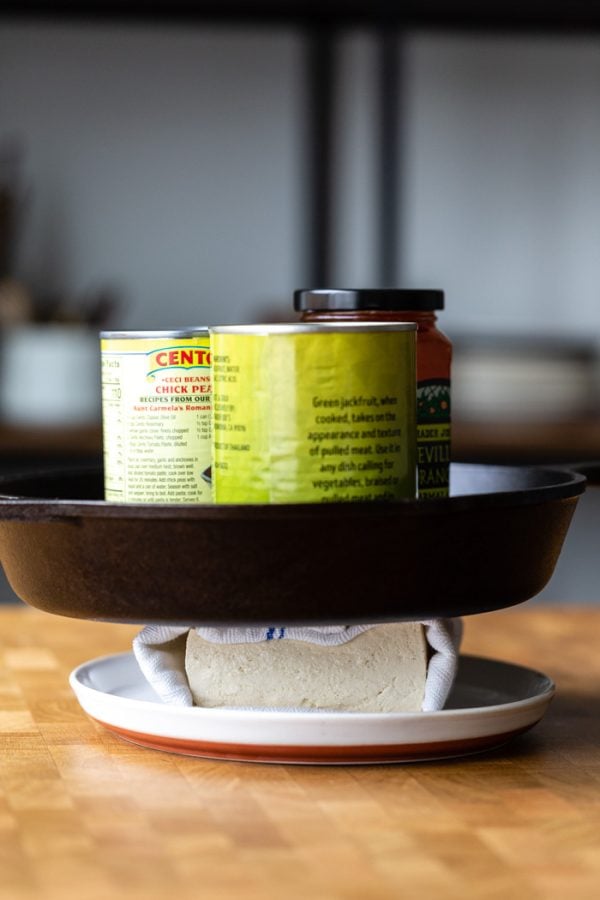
(381, 670)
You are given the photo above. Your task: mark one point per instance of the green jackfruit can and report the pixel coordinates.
(318, 413)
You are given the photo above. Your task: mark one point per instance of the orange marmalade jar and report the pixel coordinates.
(434, 356)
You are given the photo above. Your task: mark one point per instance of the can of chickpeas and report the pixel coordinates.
(156, 416)
(317, 413)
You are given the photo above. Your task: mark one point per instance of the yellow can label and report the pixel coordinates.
(156, 411)
(314, 417)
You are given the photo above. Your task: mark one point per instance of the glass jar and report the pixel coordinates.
(434, 357)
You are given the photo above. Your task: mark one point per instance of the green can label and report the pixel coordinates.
(156, 411)
(314, 414)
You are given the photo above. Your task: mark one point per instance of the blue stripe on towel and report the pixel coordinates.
(270, 634)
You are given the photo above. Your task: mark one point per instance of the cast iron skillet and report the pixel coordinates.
(492, 544)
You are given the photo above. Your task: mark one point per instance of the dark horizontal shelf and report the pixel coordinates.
(533, 16)
(552, 441)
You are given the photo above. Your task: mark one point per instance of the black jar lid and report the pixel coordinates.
(369, 298)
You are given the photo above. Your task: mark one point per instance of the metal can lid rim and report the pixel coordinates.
(200, 331)
(312, 328)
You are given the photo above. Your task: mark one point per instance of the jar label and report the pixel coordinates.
(433, 437)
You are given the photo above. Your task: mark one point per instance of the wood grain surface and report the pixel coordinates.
(84, 815)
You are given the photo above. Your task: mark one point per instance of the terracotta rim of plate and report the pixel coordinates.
(318, 754)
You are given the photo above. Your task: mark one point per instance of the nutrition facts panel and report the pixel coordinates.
(112, 415)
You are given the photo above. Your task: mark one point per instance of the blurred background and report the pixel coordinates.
(198, 165)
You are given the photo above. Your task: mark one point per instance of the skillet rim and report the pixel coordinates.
(564, 482)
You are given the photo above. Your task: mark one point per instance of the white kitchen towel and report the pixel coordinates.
(160, 653)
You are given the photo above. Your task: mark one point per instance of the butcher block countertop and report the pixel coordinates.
(85, 815)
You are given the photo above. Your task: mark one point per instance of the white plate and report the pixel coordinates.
(491, 702)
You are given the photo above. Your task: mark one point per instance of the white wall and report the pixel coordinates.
(165, 162)
(169, 163)
(502, 182)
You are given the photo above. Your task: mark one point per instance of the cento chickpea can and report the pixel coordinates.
(156, 416)
(314, 413)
